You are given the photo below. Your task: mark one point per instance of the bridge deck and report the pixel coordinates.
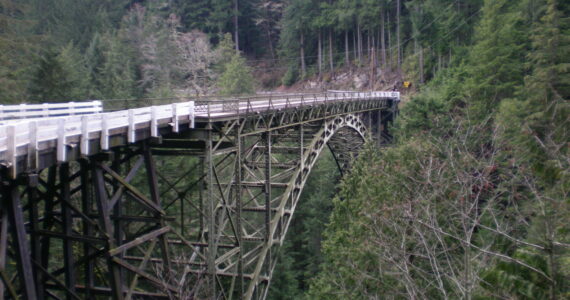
(93, 133)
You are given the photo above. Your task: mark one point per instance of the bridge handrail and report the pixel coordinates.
(388, 94)
(256, 104)
(29, 133)
(220, 99)
(28, 111)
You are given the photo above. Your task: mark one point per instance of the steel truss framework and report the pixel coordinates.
(194, 215)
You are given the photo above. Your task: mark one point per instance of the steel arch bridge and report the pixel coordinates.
(181, 201)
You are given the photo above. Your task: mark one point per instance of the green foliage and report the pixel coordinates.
(297, 19)
(497, 59)
(220, 16)
(76, 21)
(18, 46)
(472, 202)
(60, 76)
(300, 258)
(545, 111)
(115, 74)
(431, 110)
(540, 116)
(194, 14)
(290, 76)
(510, 279)
(284, 284)
(236, 78)
(226, 51)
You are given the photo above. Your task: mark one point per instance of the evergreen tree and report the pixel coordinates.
(77, 21)
(300, 258)
(116, 76)
(345, 14)
(18, 45)
(297, 19)
(60, 77)
(219, 19)
(194, 14)
(538, 131)
(284, 284)
(497, 59)
(547, 90)
(268, 14)
(236, 78)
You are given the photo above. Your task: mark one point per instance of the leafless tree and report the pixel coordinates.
(195, 56)
(452, 212)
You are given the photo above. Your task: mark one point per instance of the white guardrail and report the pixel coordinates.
(29, 133)
(46, 110)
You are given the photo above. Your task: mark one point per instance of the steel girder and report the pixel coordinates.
(195, 215)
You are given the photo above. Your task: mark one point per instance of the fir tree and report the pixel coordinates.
(60, 77)
(18, 45)
(236, 78)
(194, 14)
(497, 59)
(538, 131)
(116, 78)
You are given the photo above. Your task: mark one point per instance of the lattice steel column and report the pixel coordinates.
(211, 208)
(238, 211)
(12, 204)
(102, 202)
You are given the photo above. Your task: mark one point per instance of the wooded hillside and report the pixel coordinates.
(60, 50)
(473, 200)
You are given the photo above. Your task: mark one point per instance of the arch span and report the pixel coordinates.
(345, 135)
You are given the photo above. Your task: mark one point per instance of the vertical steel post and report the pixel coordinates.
(155, 197)
(369, 117)
(3, 238)
(117, 209)
(67, 218)
(301, 146)
(268, 237)
(201, 196)
(20, 241)
(101, 198)
(86, 206)
(211, 258)
(267, 187)
(48, 219)
(238, 204)
(34, 228)
(379, 128)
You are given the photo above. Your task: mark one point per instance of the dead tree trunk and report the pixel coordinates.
(383, 37)
(398, 39)
(331, 51)
(346, 52)
(320, 54)
(359, 40)
(302, 46)
(236, 28)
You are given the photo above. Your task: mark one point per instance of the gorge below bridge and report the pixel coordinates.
(188, 200)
